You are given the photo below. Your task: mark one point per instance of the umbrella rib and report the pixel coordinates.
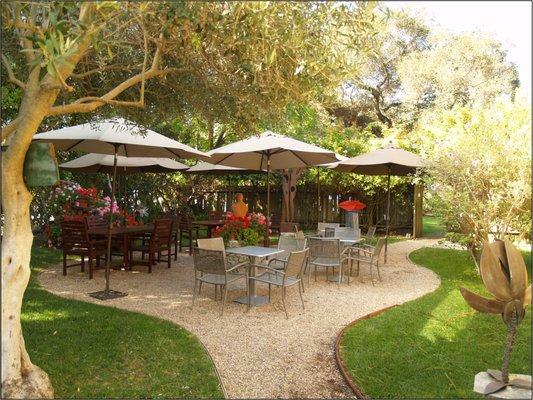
(300, 158)
(74, 145)
(229, 155)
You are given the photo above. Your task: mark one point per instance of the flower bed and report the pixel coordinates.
(70, 201)
(248, 230)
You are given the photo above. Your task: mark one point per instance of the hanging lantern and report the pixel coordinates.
(40, 165)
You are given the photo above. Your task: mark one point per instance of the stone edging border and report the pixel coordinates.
(340, 364)
(222, 387)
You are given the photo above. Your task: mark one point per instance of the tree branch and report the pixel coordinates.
(9, 129)
(11, 76)
(115, 67)
(82, 106)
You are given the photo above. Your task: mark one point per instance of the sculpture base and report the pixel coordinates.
(483, 379)
(107, 294)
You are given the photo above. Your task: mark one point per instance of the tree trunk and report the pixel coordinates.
(20, 378)
(290, 177)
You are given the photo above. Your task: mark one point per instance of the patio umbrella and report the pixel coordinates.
(118, 137)
(125, 165)
(386, 161)
(270, 151)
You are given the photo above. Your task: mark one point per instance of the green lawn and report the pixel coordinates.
(432, 347)
(433, 226)
(100, 352)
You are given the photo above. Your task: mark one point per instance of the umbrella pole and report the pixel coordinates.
(267, 239)
(109, 226)
(318, 194)
(388, 215)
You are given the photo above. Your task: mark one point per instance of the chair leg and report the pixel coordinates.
(64, 264)
(200, 288)
(377, 267)
(216, 291)
(315, 272)
(194, 291)
(248, 293)
(300, 288)
(169, 256)
(269, 291)
(283, 301)
(91, 269)
(180, 241)
(82, 263)
(176, 246)
(90, 263)
(224, 295)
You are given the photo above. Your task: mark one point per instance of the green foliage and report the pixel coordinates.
(433, 346)
(479, 168)
(87, 351)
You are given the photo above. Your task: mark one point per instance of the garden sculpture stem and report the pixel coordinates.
(509, 348)
(110, 225)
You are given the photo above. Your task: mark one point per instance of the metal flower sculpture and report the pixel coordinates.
(504, 274)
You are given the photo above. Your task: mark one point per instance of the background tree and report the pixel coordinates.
(246, 60)
(479, 169)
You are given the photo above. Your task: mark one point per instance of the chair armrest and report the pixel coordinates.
(276, 271)
(236, 266)
(276, 259)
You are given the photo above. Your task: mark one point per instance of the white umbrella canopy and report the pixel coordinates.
(382, 162)
(104, 163)
(284, 152)
(270, 151)
(129, 139)
(208, 168)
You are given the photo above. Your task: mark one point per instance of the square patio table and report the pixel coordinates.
(254, 253)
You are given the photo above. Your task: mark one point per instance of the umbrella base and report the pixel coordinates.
(107, 294)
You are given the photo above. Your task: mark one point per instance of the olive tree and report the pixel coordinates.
(237, 61)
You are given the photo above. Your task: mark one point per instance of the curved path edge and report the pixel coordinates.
(358, 392)
(219, 377)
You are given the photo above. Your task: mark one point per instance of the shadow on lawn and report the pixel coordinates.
(433, 346)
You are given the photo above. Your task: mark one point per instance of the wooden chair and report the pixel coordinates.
(99, 222)
(175, 231)
(160, 241)
(275, 221)
(215, 215)
(285, 227)
(189, 230)
(75, 241)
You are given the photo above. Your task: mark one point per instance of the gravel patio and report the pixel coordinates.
(261, 354)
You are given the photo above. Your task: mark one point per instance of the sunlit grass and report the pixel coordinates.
(432, 347)
(101, 352)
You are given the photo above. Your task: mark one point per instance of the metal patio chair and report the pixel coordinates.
(291, 275)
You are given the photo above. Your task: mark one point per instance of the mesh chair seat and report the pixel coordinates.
(325, 261)
(215, 279)
(276, 279)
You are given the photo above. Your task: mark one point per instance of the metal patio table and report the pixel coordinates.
(255, 254)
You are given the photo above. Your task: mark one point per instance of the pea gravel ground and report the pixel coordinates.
(261, 354)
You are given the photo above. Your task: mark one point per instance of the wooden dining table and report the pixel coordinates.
(209, 224)
(125, 233)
